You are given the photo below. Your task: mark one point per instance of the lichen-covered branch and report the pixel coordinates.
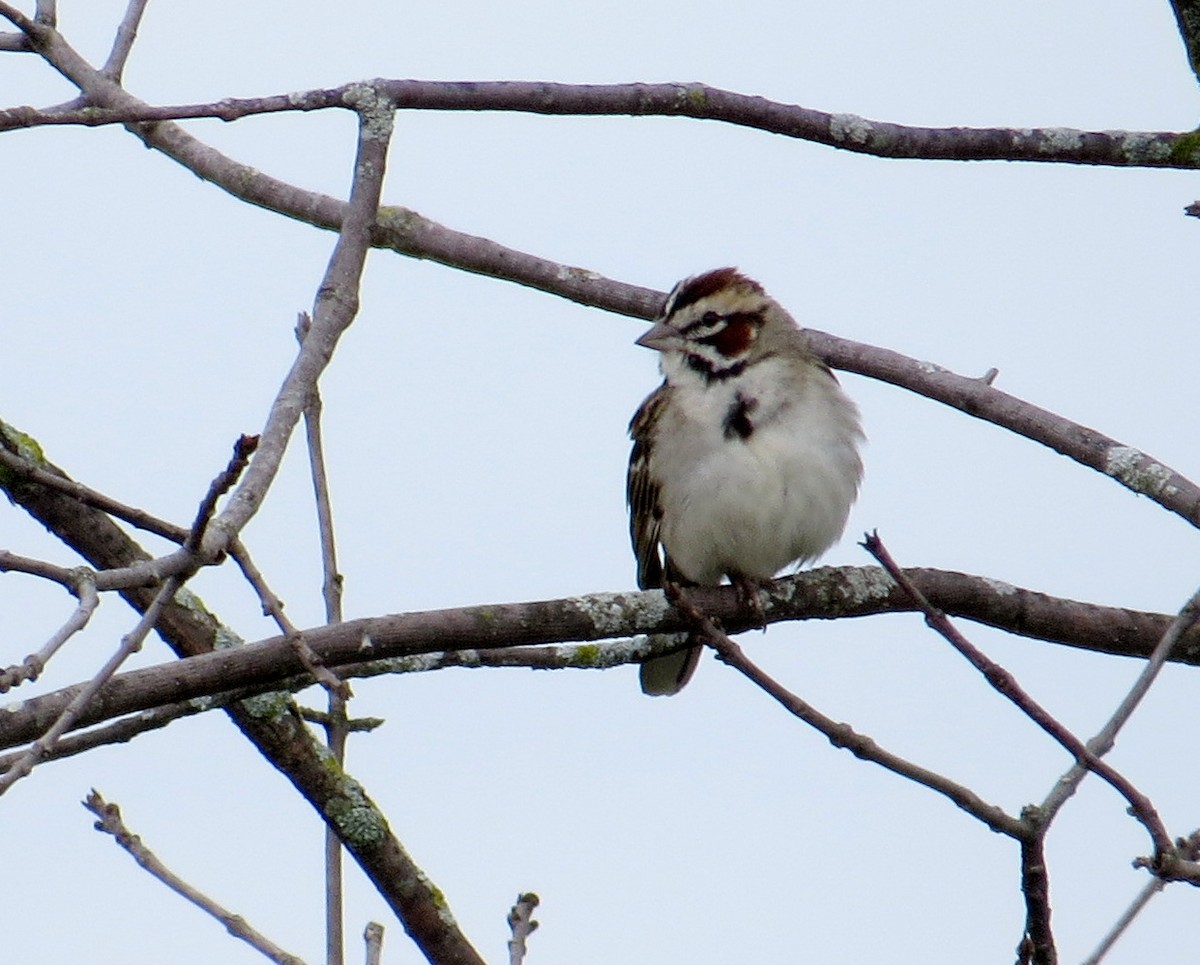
(848, 132)
(825, 593)
(411, 234)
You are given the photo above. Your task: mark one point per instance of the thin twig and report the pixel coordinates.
(1037, 943)
(354, 725)
(522, 925)
(134, 725)
(130, 644)
(1191, 849)
(1002, 681)
(12, 563)
(337, 689)
(110, 823)
(1149, 890)
(243, 449)
(1105, 738)
(331, 586)
(114, 67)
(842, 735)
(28, 470)
(272, 605)
(84, 588)
(373, 937)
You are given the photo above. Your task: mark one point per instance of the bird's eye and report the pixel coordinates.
(705, 326)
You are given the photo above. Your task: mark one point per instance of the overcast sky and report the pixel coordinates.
(476, 440)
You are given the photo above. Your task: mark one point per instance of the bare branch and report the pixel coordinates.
(74, 710)
(26, 467)
(1004, 683)
(110, 823)
(270, 722)
(243, 449)
(132, 642)
(12, 563)
(429, 637)
(409, 233)
(1037, 944)
(522, 925)
(123, 42)
(1133, 469)
(127, 728)
(331, 588)
(841, 735)
(373, 937)
(82, 584)
(1190, 849)
(565, 656)
(1187, 18)
(1103, 741)
(335, 723)
(18, 19)
(848, 132)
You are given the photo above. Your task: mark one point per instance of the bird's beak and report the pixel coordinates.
(660, 337)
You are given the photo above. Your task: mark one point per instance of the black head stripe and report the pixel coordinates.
(711, 373)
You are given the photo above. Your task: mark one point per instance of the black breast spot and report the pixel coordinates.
(737, 422)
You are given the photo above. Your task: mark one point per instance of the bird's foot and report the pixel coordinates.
(748, 591)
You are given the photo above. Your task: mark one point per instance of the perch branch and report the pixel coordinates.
(425, 639)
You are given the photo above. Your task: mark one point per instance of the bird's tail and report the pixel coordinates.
(668, 674)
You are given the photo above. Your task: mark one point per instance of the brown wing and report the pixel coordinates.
(641, 492)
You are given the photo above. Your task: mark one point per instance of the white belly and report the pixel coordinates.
(754, 505)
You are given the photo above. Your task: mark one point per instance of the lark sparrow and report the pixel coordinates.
(744, 460)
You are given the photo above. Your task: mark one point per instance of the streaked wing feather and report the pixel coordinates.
(641, 492)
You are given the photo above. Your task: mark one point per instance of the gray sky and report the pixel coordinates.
(476, 437)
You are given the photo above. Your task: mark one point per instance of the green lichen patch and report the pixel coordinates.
(358, 820)
(1186, 149)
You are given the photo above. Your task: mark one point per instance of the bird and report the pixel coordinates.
(745, 459)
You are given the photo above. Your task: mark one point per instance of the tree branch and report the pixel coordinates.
(848, 132)
(1187, 18)
(824, 593)
(409, 233)
(110, 822)
(1037, 944)
(273, 724)
(840, 735)
(1140, 806)
(1103, 741)
(114, 67)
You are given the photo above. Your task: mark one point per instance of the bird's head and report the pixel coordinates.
(717, 323)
